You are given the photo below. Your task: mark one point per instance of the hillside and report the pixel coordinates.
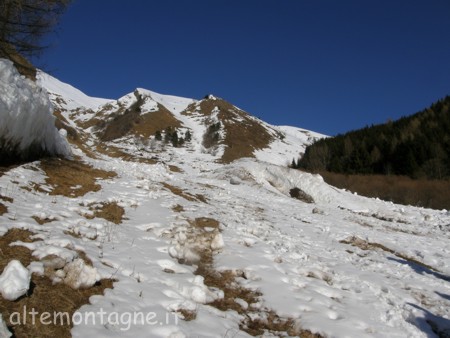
(144, 235)
(417, 146)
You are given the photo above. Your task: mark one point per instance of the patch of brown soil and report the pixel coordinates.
(179, 192)
(43, 296)
(72, 178)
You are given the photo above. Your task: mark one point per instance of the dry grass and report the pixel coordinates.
(133, 121)
(115, 152)
(110, 211)
(179, 192)
(72, 178)
(42, 221)
(3, 209)
(43, 296)
(178, 208)
(399, 189)
(204, 222)
(365, 245)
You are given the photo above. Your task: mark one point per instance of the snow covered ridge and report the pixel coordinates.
(27, 124)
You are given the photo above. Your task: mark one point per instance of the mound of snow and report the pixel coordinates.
(79, 275)
(27, 125)
(4, 332)
(14, 281)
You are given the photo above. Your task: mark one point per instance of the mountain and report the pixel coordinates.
(141, 234)
(138, 116)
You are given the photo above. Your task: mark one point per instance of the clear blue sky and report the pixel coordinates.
(325, 65)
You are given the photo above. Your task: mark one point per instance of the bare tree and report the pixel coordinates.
(23, 23)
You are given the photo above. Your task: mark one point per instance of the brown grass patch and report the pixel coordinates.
(179, 192)
(42, 221)
(178, 208)
(204, 222)
(20, 253)
(133, 121)
(398, 189)
(43, 295)
(365, 245)
(175, 169)
(72, 178)
(115, 152)
(110, 211)
(187, 315)
(3, 209)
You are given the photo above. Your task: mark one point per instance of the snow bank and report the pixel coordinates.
(14, 281)
(27, 125)
(4, 332)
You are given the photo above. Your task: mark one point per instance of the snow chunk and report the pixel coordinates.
(80, 275)
(27, 123)
(14, 281)
(4, 332)
(217, 242)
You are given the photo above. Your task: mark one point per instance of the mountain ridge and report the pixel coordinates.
(142, 113)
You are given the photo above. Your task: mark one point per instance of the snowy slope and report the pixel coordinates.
(73, 97)
(173, 104)
(342, 266)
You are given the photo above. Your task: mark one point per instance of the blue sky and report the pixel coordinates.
(326, 65)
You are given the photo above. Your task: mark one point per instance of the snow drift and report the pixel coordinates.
(27, 125)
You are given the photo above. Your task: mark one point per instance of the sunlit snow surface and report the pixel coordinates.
(26, 115)
(289, 250)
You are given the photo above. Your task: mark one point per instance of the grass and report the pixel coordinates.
(109, 211)
(398, 189)
(72, 178)
(3, 209)
(365, 245)
(43, 295)
(180, 192)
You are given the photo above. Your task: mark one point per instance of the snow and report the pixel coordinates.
(298, 255)
(173, 104)
(4, 332)
(74, 98)
(79, 275)
(26, 115)
(14, 280)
